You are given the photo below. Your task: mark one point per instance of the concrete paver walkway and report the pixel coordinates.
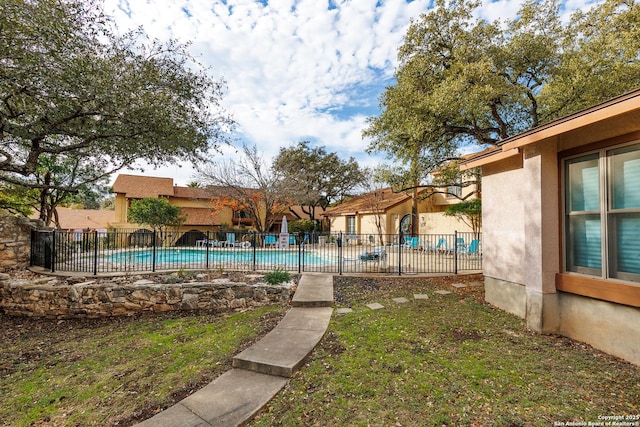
(261, 370)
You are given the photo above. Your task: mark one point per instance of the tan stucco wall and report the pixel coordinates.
(606, 326)
(438, 223)
(520, 232)
(503, 218)
(121, 208)
(509, 296)
(338, 224)
(610, 327)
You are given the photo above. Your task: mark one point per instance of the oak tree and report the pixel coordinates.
(247, 184)
(314, 178)
(466, 83)
(72, 91)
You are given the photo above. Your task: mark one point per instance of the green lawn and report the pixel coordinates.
(115, 371)
(449, 360)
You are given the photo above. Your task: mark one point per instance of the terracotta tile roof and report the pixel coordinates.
(73, 219)
(138, 187)
(363, 203)
(199, 216)
(192, 193)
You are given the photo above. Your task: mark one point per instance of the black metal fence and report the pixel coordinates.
(122, 251)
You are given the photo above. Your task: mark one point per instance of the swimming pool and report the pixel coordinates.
(201, 257)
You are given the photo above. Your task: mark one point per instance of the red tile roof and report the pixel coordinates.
(138, 187)
(364, 203)
(192, 193)
(199, 216)
(74, 219)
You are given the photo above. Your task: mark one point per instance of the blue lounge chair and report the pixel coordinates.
(270, 240)
(414, 243)
(472, 250)
(441, 246)
(231, 239)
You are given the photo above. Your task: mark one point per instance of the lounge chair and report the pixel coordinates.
(414, 243)
(441, 246)
(270, 240)
(472, 250)
(231, 242)
(212, 243)
(378, 253)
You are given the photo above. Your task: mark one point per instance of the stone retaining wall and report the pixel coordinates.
(91, 299)
(15, 241)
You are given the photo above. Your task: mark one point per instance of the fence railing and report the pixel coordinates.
(122, 251)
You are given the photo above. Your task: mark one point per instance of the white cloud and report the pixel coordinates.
(292, 66)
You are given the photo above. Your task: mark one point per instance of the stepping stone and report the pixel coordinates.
(420, 296)
(400, 300)
(459, 285)
(442, 292)
(344, 311)
(476, 284)
(375, 306)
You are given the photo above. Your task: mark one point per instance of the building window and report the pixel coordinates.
(602, 213)
(351, 225)
(454, 191)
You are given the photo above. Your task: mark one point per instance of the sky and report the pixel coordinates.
(295, 70)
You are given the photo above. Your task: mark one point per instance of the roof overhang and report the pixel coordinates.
(491, 157)
(615, 111)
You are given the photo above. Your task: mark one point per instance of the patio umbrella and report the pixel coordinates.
(284, 233)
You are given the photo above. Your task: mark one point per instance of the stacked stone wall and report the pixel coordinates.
(90, 299)
(15, 242)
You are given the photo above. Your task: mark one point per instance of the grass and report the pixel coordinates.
(449, 360)
(115, 371)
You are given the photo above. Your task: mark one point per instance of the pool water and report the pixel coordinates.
(172, 256)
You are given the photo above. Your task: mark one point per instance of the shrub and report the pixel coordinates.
(276, 277)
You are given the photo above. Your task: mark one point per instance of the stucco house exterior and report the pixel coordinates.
(195, 202)
(362, 214)
(561, 226)
(198, 205)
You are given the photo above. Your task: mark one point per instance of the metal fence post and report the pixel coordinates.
(206, 250)
(253, 243)
(153, 257)
(53, 252)
(455, 252)
(400, 252)
(95, 252)
(300, 253)
(339, 245)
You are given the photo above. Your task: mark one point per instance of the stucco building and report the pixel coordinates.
(561, 226)
(383, 210)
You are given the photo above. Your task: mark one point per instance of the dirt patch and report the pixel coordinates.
(347, 289)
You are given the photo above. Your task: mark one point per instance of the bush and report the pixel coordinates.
(276, 277)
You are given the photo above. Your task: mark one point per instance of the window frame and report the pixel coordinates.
(606, 212)
(349, 229)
